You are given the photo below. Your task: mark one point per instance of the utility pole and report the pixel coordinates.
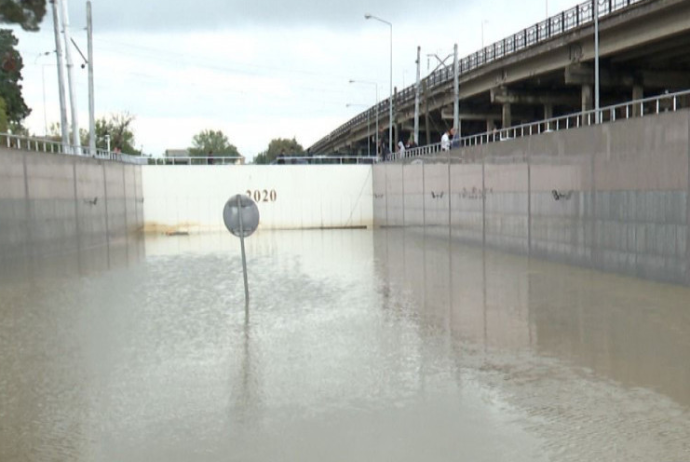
(456, 87)
(596, 60)
(416, 100)
(426, 112)
(76, 142)
(64, 127)
(92, 102)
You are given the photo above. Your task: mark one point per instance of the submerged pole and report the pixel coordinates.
(244, 256)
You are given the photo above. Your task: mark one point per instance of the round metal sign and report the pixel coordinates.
(241, 215)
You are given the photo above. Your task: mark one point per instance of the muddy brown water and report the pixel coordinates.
(360, 345)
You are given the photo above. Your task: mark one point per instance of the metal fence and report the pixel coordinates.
(566, 21)
(56, 147)
(196, 160)
(670, 102)
(291, 160)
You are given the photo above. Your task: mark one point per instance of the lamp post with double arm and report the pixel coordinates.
(390, 99)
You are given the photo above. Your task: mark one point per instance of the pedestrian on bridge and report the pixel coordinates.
(445, 139)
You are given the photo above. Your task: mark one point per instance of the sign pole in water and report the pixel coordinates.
(241, 217)
(244, 255)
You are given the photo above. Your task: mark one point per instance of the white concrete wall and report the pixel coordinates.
(191, 197)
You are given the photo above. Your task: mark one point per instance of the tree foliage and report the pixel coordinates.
(11, 65)
(118, 126)
(212, 142)
(279, 147)
(27, 13)
(4, 123)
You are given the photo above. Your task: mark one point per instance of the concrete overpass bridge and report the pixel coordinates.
(541, 72)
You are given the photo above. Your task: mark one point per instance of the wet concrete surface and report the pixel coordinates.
(360, 345)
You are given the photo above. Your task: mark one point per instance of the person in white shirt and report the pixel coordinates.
(401, 149)
(445, 139)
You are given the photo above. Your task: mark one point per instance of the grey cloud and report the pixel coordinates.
(160, 15)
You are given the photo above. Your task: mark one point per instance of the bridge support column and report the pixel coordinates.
(507, 115)
(637, 93)
(587, 103)
(548, 114)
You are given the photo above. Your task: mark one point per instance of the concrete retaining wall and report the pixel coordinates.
(613, 197)
(53, 204)
(191, 198)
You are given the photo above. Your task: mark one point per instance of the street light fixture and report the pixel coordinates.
(390, 100)
(376, 85)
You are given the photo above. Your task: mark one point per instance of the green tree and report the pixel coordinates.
(10, 75)
(279, 147)
(118, 126)
(16, 128)
(27, 13)
(212, 142)
(4, 123)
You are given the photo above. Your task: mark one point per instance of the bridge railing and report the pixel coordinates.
(196, 160)
(291, 160)
(46, 145)
(669, 102)
(573, 18)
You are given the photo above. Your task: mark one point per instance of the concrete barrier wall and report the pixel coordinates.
(613, 197)
(191, 198)
(55, 204)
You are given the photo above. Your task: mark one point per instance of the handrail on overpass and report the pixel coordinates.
(573, 18)
(669, 102)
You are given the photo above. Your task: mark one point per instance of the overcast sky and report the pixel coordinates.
(256, 70)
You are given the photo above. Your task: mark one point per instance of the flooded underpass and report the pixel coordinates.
(360, 345)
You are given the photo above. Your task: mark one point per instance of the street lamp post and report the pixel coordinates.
(390, 98)
(43, 79)
(595, 12)
(376, 85)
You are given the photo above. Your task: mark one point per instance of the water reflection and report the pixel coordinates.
(387, 345)
(595, 355)
(631, 330)
(118, 252)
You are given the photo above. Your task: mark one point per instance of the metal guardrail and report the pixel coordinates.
(196, 160)
(56, 147)
(566, 21)
(291, 160)
(326, 160)
(670, 102)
